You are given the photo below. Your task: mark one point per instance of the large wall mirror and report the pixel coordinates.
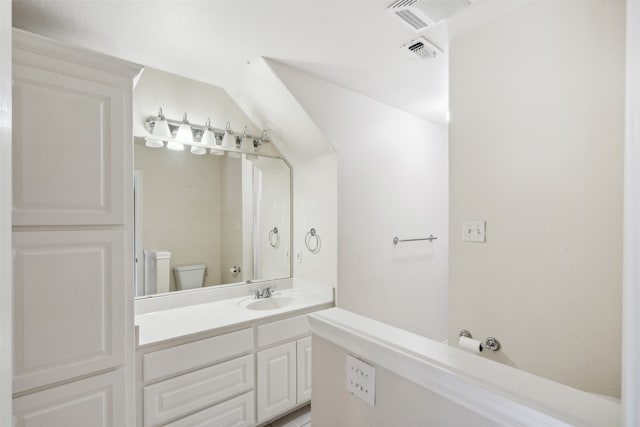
(208, 220)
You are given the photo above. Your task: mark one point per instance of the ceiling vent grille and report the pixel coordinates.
(420, 14)
(422, 48)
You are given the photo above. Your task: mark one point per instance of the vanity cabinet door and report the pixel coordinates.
(276, 380)
(304, 369)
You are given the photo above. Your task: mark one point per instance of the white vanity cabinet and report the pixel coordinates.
(72, 210)
(245, 377)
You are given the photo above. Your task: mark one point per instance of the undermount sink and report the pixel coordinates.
(272, 303)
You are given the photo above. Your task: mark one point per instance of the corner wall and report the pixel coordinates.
(536, 150)
(392, 180)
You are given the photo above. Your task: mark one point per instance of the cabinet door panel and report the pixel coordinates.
(68, 150)
(304, 369)
(96, 402)
(69, 305)
(276, 380)
(237, 412)
(181, 395)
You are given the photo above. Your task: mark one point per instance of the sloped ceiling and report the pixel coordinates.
(353, 43)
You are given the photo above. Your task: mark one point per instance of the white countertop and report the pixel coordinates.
(173, 323)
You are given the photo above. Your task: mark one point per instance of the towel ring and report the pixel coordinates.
(308, 241)
(274, 237)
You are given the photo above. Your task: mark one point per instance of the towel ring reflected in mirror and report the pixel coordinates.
(274, 237)
(312, 241)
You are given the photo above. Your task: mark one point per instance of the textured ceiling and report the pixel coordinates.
(355, 44)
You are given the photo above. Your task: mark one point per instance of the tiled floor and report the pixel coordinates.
(300, 418)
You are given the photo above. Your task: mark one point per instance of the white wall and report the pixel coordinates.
(181, 207)
(631, 296)
(399, 402)
(536, 137)
(6, 293)
(392, 171)
(315, 191)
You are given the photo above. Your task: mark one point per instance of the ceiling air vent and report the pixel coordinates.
(423, 48)
(420, 14)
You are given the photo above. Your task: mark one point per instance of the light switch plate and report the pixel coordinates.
(361, 379)
(473, 231)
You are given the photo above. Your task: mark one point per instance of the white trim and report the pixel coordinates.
(6, 288)
(45, 46)
(631, 287)
(498, 392)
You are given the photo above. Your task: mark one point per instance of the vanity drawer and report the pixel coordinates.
(283, 330)
(193, 355)
(237, 412)
(187, 393)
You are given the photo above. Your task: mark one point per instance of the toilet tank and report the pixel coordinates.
(189, 276)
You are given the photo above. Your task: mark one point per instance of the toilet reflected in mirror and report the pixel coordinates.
(189, 276)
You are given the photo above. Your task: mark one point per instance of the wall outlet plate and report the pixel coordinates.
(474, 231)
(361, 379)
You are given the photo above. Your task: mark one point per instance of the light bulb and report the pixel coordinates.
(175, 145)
(153, 143)
(197, 150)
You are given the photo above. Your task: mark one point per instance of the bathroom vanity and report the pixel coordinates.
(236, 359)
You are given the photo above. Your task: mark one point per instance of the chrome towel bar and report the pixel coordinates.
(430, 238)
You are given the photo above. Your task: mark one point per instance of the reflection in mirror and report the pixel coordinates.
(209, 220)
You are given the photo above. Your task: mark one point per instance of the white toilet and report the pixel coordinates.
(189, 276)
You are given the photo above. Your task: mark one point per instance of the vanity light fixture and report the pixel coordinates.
(176, 134)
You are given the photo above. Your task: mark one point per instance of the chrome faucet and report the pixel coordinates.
(264, 293)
